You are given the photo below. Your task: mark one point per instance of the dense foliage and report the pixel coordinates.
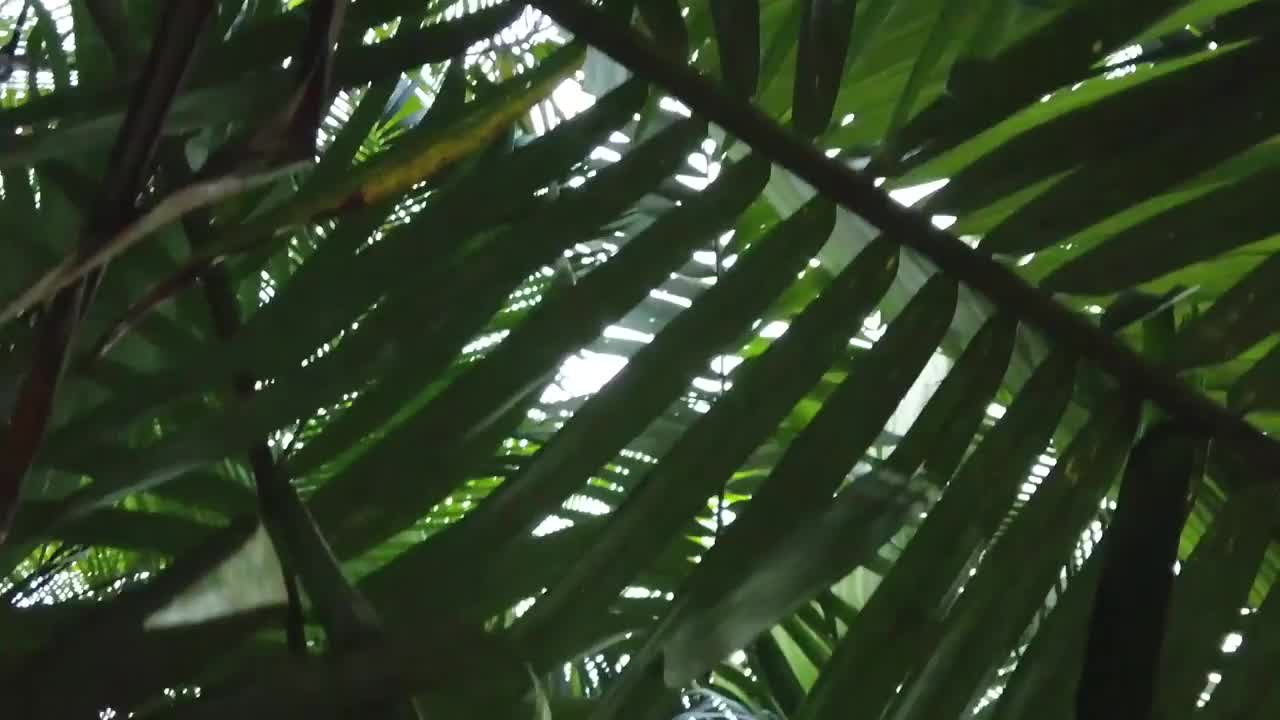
(469, 358)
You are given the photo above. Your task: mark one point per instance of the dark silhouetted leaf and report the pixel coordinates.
(763, 566)
(895, 627)
(1019, 568)
(820, 61)
(763, 392)
(1237, 321)
(1127, 628)
(737, 26)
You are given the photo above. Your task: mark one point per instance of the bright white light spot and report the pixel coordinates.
(707, 385)
(1213, 45)
(705, 257)
(523, 606)
(672, 298)
(693, 182)
(1232, 642)
(607, 154)
(551, 524)
(619, 138)
(587, 505)
(774, 329)
(942, 222)
(571, 98)
(617, 332)
(724, 364)
(1124, 55)
(846, 120)
(909, 196)
(672, 105)
(582, 375)
(1093, 309)
(832, 152)
(996, 410)
(1121, 72)
(873, 325)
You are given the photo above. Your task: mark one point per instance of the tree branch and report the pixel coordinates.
(857, 193)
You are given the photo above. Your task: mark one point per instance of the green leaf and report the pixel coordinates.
(481, 674)
(651, 381)
(140, 666)
(757, 571)
(1207, 596)
(338, 157)
(1016, 571)
(1187, 233)
(97, 113)
(469, 204)
(1128, 622)
(821, 52)
(53, 50)
(776, 674)
(737, 27)
(1047, 139)
(111, 649)
(942, 36)
(896, 625)
(1096, 190)
(941, 434)
(517, 367)
(709, 622)
(665, 23)
(519, 570)
(1246, 689)
(1134, 306)
(1259, 387)
(336, 373)
(717, 444)
(1056, 53)
(125, 529)
(1240, 319)
(1047, 671)
(869, 22)
(806, 639)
